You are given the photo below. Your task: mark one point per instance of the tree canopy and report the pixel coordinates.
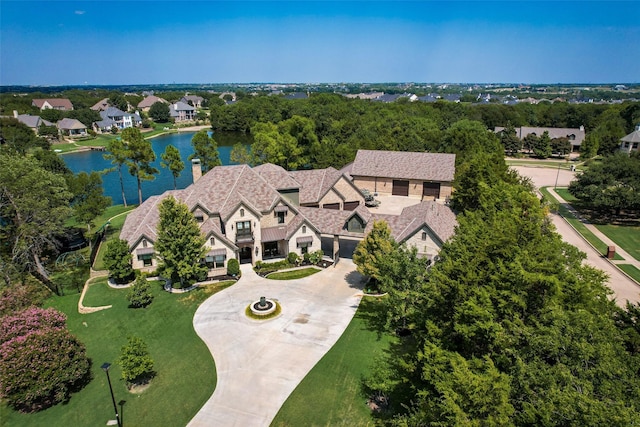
(206, 149)
(159, 112)
(139, 156)
(171, 160)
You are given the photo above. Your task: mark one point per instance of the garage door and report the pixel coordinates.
(349, 206)
(431, 189)
(335, 206)
(400, 188)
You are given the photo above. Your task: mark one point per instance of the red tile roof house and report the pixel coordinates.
(61, 104)
(254, 214)
(425, 176)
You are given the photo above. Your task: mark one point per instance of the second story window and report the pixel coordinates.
(241, 212)
(144, 243)
(243, 227)
(304, 229)
(212, 241)
(199, 218)
(280, 216)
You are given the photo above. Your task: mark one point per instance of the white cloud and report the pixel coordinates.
(79, 12)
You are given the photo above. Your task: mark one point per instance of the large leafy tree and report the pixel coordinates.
(611, 185)
(136, 362)
(16, 137)
(206, 149)
(88, 201)
(117, 259)
(241, 155)
(510, 140)
(159, 112)
(171, 160)
(542, 147)
(180, 245)
(118, 152)
(34, 205)
(140, 155)
(371, 252)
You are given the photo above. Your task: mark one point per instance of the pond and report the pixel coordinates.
(88, 161)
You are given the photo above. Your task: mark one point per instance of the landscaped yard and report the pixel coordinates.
(113, 230)
(185, 377)
(631, 270)
(331, 394)
(293, 274)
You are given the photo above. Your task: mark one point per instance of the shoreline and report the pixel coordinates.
(84, 148)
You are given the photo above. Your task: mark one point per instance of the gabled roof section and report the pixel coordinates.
(71, 124)
(315, 183)
(101, 105)
(439, 218)
(221, 190)
(150, 100)
(277, 176)
(113, 112)
(58, 103)
(404, 165)
(180, 106)
(32, 121)
(145, 218)
(213, 226)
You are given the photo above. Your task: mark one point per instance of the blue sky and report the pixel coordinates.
(145, 42)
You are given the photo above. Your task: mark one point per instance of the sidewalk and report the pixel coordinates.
(628, 259)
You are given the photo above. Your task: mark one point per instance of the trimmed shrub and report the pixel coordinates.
(139, 294)
(316, 256)
(233, 267)
(293, 258)
(118, 260)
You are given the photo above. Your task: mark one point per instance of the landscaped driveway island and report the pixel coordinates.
(259, 363)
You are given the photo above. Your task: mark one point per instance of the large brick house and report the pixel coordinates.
(265, 212)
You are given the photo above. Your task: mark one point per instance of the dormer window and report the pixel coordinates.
(199, 218)
(355, 224)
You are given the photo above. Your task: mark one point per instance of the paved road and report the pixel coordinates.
(623, 287)
(259, 363)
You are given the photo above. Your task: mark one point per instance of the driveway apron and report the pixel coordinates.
(259, 363)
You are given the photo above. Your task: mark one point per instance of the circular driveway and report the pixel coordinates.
(259, 363)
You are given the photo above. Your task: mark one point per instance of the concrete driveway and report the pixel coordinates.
(623, 287)
(259, 363)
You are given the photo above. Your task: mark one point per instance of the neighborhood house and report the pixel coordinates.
(574, 135)
(254, 214)
(61, 104)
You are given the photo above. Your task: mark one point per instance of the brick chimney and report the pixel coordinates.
(196, 169)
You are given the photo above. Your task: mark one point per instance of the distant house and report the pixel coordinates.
(181, 111)
(193, 100)
(389, 97)
(430, 97)
(146, 103)
(296, 95)
(101, 105)
(452, 97)
(630, 143)
(33, 122)
(113, 116)
(71, 127)
(61, 104)
(427, 176)
(574, 135)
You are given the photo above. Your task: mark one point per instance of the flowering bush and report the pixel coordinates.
(41, 363)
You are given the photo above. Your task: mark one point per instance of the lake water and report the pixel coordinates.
(88, 161)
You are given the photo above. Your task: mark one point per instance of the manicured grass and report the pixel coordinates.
(185, 370)
(275, 313)
(331, 394)
(539, 163)
(293, 274)
(99, 141)
(113, 230)
(626, 237)
(631, 270)
(579, 226)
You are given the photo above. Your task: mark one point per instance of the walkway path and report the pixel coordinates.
(259, 363)
(623, 287)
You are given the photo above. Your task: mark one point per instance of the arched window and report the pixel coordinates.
(144, 243)
(241, 212)
(304, 229)
(212, 241)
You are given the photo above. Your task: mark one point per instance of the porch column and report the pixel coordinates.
(336, 246)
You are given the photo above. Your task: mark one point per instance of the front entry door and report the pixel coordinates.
(245, 255)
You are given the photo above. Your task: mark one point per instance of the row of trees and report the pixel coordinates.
(509, 327)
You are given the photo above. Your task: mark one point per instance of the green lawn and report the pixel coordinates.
(539, 163)
(293, 274)
(331, 395)
(186, 375)
(631, 270)
(579, 226)
(113, 230)
(99, 141)
(626, 237)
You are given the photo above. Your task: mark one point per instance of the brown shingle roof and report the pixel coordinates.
(277, 176)
(61, 103)
(150, 100)
(315, 183)
(404, 165)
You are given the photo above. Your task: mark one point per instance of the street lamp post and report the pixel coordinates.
(105, 367)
